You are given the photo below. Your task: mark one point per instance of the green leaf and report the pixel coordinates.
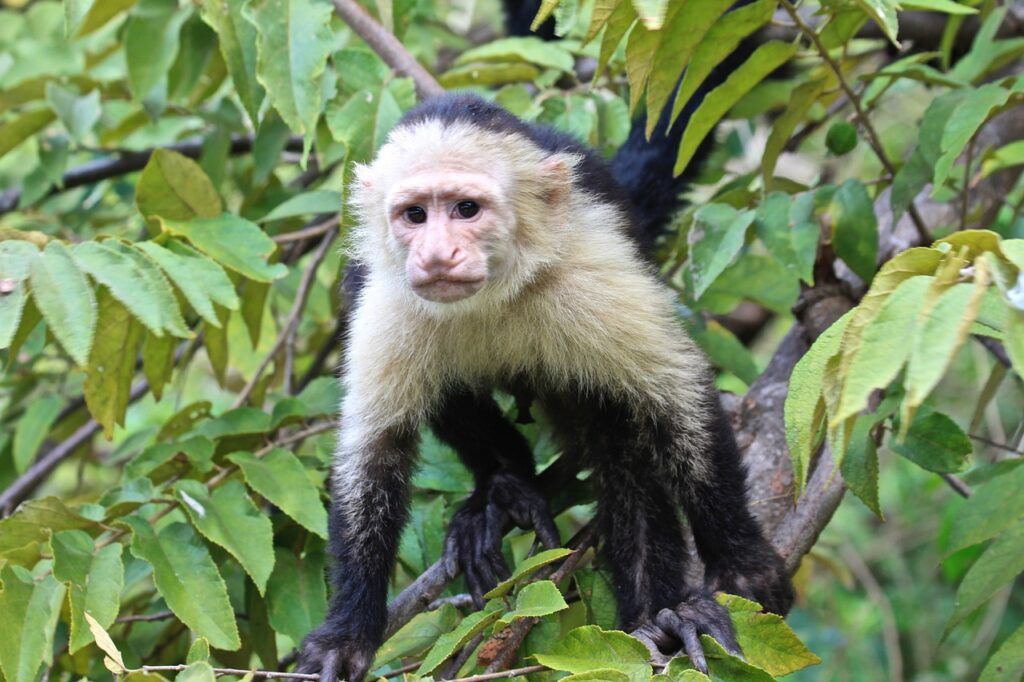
(945, 6)
(964, 122)
(28, 616)
(200, 671)
(860, 465)
(717, 235)
(721, 40)
(187, 579)
(79, 113)
(239, 421)
(935, 442)
(23, 127)
(202, 281)
(229, 518)
(134, 281)
(879, 354)
(64, 297)
(36, 520)
(199, 650)
(416, 635)
(600, 675)
(800, 102)
(804, 408)
(85, 16)
(763, 61)
(722, 666)
(529, 49)
(32, 430)
(535, 600)
(450, 642)
(788, 229)
(883, 12)
(854, 228)
(994, 506)
(151, 44)
(281, 478)
(16, 257)
(296, 595)
(94, 579)
(1001, 563)
(911, 178)
(237, 39)
(590, 648)
(295, 40)
(317, 201)
(686, 25)
(619, 22)
(769, 643)
(233, 242)
(651, 12)
(158, 362)
(726, 351)
(1007, 663)
(526, 568)
(111, 364)
(937, 338)
(363, 121)
(175, 187)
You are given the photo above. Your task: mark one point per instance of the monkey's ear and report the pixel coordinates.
(556, 171)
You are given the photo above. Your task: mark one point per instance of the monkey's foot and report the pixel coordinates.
(677, 631)
(324, 654)
(473, 543)
(767, 582)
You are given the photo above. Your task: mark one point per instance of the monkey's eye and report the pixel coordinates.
(467, 209)
(416, 214)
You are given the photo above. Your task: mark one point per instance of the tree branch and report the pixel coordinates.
(387, 47)
(129, 162)
(301, 296)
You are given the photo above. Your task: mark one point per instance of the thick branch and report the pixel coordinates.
(387, 47)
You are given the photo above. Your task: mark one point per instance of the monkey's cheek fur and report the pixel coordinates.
(448, 291)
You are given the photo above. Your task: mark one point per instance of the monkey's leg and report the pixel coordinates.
(502, 464)
(738, 558)
(646, 552)
(369, 506)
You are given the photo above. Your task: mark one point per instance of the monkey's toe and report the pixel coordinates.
(334, 659)
(698, 615)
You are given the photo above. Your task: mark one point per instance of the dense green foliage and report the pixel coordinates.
(170, 272)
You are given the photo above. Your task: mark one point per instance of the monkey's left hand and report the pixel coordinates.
(474, 536)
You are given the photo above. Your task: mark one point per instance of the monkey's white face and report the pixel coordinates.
(448, 225)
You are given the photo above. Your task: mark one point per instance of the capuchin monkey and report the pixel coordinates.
(495, 254)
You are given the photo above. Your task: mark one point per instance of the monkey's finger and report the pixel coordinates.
(498, 564)
(685, 631)
(545, 528)
(329, 666)
(726, 638)
(475, 589)
(357, 666)
(451, 555)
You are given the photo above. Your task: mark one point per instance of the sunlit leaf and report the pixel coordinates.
(65, 299)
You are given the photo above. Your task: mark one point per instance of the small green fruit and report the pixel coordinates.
(841, 138)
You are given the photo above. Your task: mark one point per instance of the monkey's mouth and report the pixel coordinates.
(447, 289)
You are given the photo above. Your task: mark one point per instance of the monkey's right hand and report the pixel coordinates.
(334, 657)
(473, 543)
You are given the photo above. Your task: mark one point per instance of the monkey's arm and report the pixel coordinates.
(369, 506)
(502, 465)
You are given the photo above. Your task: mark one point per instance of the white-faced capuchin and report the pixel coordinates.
(497, 254)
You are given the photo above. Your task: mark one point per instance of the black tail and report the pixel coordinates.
(644, 167)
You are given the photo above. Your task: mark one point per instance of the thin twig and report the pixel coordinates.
(292, 323)
(996, 444)
(228, 671)
(387, 47)
(146, 617)
(965, 195)
(862, 118)
(956, 484)
(890, 633)
(315, 229)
